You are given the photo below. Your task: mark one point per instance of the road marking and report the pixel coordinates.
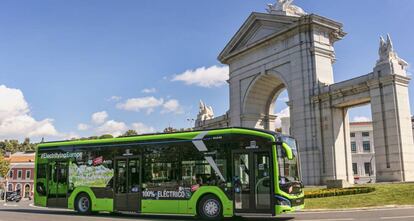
(396, 217)
(340, 219)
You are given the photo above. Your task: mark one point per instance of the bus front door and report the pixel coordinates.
(252, 182)
(58, 184)
(128, 184)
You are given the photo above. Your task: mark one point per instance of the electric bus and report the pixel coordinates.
(211, 174)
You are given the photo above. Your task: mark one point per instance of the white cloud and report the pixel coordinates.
(112, 127)
(213, 76)
(172, 106)
(142, 103)
(99, 117)
(83, 127)
(141, 128)
(361, 119)
(149, 90)
(114, 98)
(283, 113)
(117, 128)
(15, 119)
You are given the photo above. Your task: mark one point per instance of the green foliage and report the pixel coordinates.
(129, 133)
(14, 146)
(106, 136)
(4, 166)
(170, 130)
(384, 194)
(173, 130)
(337, 192)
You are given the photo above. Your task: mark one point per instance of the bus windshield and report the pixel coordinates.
(289, 178)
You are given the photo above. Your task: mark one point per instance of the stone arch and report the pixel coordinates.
(272, 50)
(259, 100)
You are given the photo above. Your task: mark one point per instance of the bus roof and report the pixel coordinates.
(185, 135)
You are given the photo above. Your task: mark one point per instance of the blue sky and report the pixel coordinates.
(68, 58)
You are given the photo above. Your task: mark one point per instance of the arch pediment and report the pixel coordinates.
(256, 29)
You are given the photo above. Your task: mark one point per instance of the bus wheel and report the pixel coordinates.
(209, 208)
(83, 203)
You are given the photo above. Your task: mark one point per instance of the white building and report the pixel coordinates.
(21, 173)
(363, 153)
(362, 148)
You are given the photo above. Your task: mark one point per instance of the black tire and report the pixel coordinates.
(83, 204)
(210, 208)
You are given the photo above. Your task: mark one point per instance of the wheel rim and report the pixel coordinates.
(211, 208)
(83, 204)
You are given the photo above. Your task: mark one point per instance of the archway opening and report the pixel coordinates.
(281, 110)
(362, 143)
(27, 191)
(10, 187)
(266, 96)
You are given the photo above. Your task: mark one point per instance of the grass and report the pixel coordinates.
(385, 194)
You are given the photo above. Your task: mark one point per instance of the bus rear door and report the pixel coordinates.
(58, 184)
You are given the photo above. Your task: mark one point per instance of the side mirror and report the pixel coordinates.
(286, 150)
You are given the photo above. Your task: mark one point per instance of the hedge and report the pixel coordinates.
(338, 192)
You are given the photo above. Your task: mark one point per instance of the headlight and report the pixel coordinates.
(282, 201)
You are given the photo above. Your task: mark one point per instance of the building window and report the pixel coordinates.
(367, 167)
(19, 174)
(355, 168)
(367, 146)
(352, 134)
(353, 147)
(365, 134)
(28, 174)
(11, 174)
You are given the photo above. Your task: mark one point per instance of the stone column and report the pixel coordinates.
(391, 116)
(336, 151)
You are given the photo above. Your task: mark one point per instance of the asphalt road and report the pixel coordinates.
(24, 211)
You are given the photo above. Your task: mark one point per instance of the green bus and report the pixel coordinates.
(211, 174)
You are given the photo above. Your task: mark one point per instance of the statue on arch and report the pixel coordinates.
(205, 112)
(285, 7)
(386, 52)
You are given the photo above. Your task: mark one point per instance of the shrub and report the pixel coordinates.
(338, 192)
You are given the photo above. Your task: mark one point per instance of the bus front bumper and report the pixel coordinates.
(285, 205)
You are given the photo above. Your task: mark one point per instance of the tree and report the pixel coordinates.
(129, 133)
(26, 145)
(170, 130)
(106, 136)
(4, 166)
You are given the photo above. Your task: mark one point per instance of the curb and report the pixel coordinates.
(357, 209)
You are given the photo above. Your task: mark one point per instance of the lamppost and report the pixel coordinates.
(191, 122)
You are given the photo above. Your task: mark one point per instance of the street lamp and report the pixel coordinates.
(191, 122)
